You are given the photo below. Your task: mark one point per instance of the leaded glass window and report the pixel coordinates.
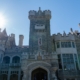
(68, 61)
(65, 44)
(59, 61)
(73, 45)
(76, 61)
(58, 44)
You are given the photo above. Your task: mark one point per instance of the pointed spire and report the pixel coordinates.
(71, 30)
(4, 32)
(64, 34)
(39, 8)
(39, 11)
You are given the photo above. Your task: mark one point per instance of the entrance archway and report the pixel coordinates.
(39, 74)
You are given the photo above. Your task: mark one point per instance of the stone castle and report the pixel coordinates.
(48, 57)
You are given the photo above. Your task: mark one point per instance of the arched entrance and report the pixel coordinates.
(4, 77)
(14, 77)
(39, 74)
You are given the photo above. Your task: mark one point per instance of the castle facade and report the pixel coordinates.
(48, 57)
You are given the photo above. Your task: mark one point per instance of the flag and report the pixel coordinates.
(40, 41)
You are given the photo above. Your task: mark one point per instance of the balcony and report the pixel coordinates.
(15, 65)
(4, 66)
(68, 73)
(12, 65)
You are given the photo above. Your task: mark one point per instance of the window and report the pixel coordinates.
(76, 62)
(69, 44)
(62, 44)
(58, 45)
(68, 61)
(16, 59)
(73, 45)
(65, 44)
(6, 60)
(59, 61)
(37, 25)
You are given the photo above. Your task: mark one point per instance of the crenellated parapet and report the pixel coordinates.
(46, 14)
(63, 36)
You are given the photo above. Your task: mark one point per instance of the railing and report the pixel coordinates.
(68, 73)
(2, 66)
(15, 65)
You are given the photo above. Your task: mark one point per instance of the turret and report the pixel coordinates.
(46, 14)
(13, 35)
(21, 37)
(40, 31)
(4, 32)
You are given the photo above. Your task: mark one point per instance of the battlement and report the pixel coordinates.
(39, 14)
(13, 35)
(32, 12)
(47, 12)
(63, 36)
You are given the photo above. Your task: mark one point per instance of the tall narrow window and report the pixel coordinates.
(69, 44)
(76, 62)
(62, 44)
(59, 61)
(65, 44)
(73, 45)
(58, 45)
(68, 61)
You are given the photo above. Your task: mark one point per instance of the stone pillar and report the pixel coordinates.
(19, 75)
(9, 73)
(53, 70)
(54, 76)
(24, 76)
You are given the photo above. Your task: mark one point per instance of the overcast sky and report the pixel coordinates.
(65, 15)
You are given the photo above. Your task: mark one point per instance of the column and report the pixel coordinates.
(19, 75)
(60, 43)
(9, 73)
(74, 61)
(54, 76)
(62, 61)
(24, 76)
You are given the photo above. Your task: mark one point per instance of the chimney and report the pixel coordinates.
(21, 37)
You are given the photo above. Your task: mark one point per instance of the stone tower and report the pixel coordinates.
(39, 37)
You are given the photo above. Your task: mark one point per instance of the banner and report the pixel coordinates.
(40, 41)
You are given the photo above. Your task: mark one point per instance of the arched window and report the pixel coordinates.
(16, 59)
(6, 59)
